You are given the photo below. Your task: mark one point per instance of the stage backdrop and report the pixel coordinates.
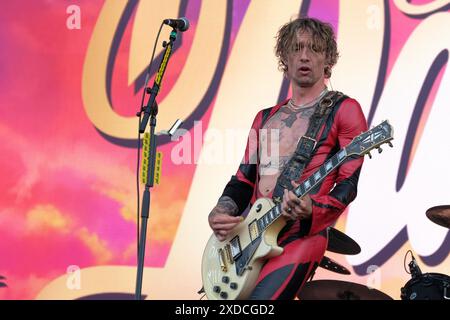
(72, 75)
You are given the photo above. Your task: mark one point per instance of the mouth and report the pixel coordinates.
(304, 70)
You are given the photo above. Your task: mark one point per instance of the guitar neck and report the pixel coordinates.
(305, 187)
(335, 161)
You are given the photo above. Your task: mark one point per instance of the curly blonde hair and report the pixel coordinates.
(323, 38)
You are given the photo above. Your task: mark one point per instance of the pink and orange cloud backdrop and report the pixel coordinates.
(68, 195)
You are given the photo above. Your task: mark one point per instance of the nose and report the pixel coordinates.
(304, 55)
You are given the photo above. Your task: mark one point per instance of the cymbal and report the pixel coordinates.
(339, 242)
(339, 290)
(333, 266)
(440, 215)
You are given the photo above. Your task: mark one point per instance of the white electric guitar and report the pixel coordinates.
(231, 267)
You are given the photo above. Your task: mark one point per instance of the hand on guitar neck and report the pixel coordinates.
(222, 219)
(294, 207)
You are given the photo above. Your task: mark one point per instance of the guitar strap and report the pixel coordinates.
(306, 145)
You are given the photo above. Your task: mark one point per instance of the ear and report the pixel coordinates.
(327, 71)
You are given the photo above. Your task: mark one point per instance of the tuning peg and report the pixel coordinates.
(380, 150)
(370, 156)
(390, 144)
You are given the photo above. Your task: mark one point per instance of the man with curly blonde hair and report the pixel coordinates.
(307, 51)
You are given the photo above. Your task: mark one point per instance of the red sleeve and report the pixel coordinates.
(350, 122)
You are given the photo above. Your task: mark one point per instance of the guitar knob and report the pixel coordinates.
(225, 279)
(380, 150)
(216, 289)
(390, 144)
(370, 156)
(258, 207)
(233, 285)
(223, 295)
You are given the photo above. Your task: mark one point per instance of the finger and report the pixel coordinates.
(284, 204)
(220, 210)
(225, 218)
(289, 216)
(226, 226)
(288, 213)
(300, 205)
(293, 202)
(285, 195)
(286, 207)
(294, 184)
(307, 200)
(219, 237)
(292, 196)
(222, 233)
(297, 211)
(291, 199)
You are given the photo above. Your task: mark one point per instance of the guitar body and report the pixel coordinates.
(228, 278)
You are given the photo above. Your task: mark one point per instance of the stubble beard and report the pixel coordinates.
(306, 82)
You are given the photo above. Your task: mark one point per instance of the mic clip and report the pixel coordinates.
(414, 269)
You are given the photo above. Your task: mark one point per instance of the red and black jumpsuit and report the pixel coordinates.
(304, 241)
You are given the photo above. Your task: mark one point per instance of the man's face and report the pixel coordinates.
(305, 61)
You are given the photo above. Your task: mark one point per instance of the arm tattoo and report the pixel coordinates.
(228, 204)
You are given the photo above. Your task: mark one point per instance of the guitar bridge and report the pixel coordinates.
(228, 254)
(222, 261)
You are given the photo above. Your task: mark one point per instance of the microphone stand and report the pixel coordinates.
(150, 112)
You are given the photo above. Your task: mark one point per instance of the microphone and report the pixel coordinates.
(414, 268)
(181, 24)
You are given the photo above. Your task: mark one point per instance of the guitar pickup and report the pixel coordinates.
(253, 230)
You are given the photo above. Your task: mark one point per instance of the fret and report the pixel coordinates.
(277, 210)
(312, 182)
(323, 172)
(334, 161)
(302, 189)
(261, 225)
(328, 166)
(341, 155)
(307, 184)
(317, 176)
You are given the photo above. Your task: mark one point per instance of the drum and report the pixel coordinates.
(427, 286)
